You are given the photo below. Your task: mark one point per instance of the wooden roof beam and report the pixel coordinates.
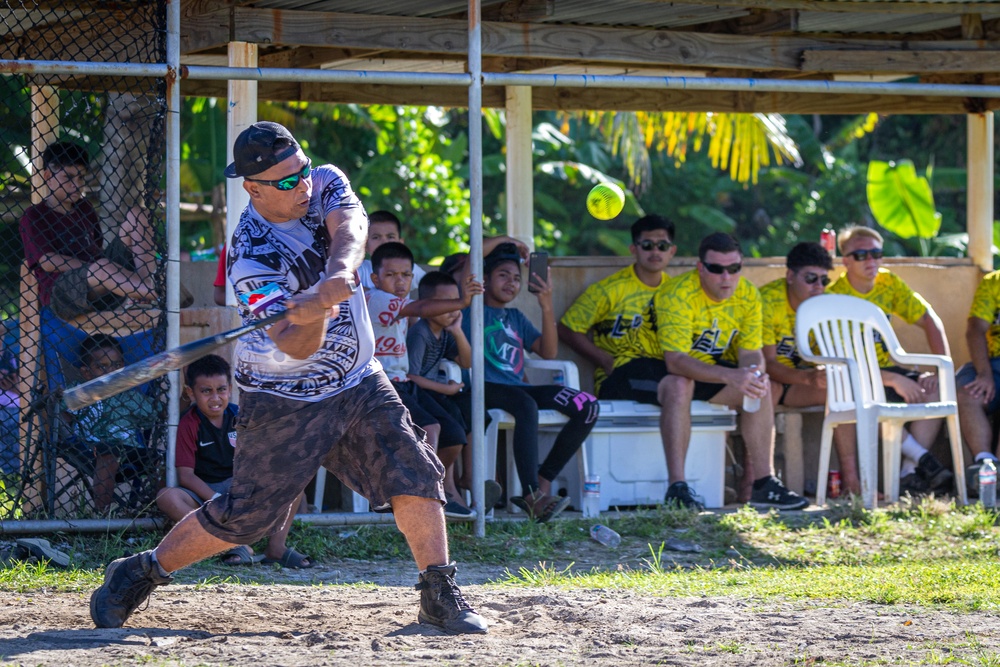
(609, 45)
(855, 6)
(901, 62)
(571, 99)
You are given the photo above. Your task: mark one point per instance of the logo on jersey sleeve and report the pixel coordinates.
(260, 299)
(232, 439)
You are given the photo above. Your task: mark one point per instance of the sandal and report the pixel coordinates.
(43, 551)
(241, 555)
(540, 507)
(291, 559)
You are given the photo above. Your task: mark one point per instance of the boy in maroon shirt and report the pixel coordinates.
(206, 443)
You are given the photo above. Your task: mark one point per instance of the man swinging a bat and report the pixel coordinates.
(312, 392)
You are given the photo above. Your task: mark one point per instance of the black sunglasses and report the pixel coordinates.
(719, 269)
(811, 279)
(662, 246)
(862, 255)
(288, 182)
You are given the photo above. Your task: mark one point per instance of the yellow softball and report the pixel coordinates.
(605, 201)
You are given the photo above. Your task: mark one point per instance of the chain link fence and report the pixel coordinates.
(82, 276)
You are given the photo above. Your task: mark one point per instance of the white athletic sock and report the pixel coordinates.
(908, 467)
(913, 449)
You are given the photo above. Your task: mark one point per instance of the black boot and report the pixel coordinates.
(442, 604)
(127, 584)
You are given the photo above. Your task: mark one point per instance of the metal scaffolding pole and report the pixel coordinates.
(476, 257)
(173, 224)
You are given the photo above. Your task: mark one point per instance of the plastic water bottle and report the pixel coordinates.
(591, 496)
(751, 404)
(988, 483)
(558, 377)
(605, 535)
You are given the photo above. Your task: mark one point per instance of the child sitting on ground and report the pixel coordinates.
(206, 443)
(107, 432)
(432, 340)
(389, 307)
(509, 336)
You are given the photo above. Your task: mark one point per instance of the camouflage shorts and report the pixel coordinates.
(362, 435)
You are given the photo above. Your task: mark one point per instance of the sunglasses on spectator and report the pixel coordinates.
(662, 246)
(811, 279)
(862, 255)
(288, 182)
(719, 269)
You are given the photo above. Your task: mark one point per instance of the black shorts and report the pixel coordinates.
(426, 411)
(704, 391)
(363, 435)
(891, 396)
(636, 380)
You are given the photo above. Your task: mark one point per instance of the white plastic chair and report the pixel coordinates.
(844, 330)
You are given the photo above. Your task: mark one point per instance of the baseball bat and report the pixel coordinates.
(157, 365)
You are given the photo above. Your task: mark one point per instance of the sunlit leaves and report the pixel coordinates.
(902, 201)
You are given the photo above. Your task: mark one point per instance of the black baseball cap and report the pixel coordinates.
(505, 252)
(260, 147)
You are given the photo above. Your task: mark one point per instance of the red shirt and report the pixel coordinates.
(75, 234)
(220, 274)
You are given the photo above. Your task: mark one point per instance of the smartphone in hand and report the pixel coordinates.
(538, 262)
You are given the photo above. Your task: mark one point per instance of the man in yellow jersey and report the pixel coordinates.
(709, 326)
(613, 323)
(979, 380)
(797, 383)
(861, 248)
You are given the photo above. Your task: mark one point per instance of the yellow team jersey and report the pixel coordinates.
(890, 294)
(779, 323)
(710, 331)
(620, 312)
(986, 306)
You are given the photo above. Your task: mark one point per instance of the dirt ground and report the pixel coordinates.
(282, 624)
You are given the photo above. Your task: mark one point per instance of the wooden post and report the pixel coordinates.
(240, 114)
(979, 206)
(520, 194)
(44, 125)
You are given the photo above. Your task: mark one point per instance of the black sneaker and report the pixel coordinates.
(938, 478)
(913, 484)
(679, 494)
(777, 495)
(442, 604)
(127, 584)
(456, 510)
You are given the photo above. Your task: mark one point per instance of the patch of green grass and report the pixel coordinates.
(961, 584)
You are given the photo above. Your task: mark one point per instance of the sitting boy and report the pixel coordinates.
(389, 307)
(383, 227)
(206, 443)
(63, 244)
(106, 434)
(431, 341)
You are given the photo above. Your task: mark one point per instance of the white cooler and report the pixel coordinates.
(626, 451)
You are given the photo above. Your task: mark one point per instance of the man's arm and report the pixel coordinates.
(546, 345)
(934, 330)
(982, 386)
(302, 332)
(584, 346)
(449, 389)
(779, 372)
(743, 378)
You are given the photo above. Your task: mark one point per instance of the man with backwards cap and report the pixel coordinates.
(312, 392)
